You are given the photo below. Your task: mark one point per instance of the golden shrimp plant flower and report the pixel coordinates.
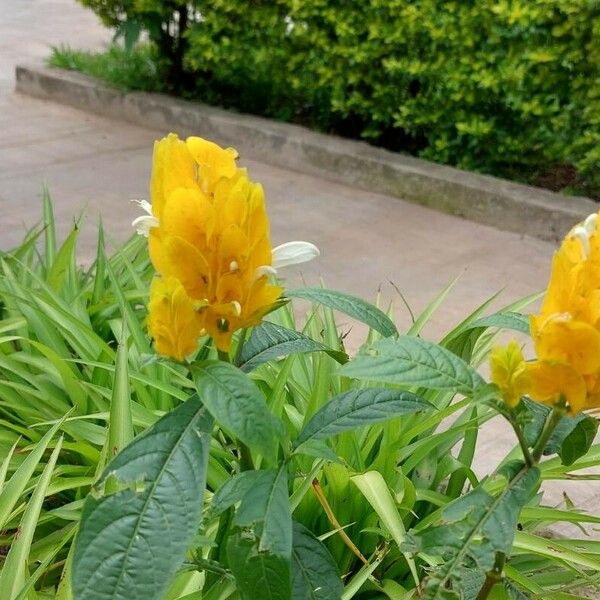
(208, 235)
(566, 331)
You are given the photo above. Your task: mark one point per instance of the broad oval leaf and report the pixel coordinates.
(259, 549)
(354, 307)
(237, 405)
(357, 408)
(314, 572)
(413, 361)
(472, 530)
(271, 342)
(131, 542)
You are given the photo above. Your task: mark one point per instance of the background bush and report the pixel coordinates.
(500, 86)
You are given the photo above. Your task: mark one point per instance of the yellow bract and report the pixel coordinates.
(211, 247)
(509, 372)
(566, 332)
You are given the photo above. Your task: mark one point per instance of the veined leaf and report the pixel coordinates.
(272, 342)
(131, 542)
(473, 528)
(413, 361)
(314, 572)
(354, 307)
(357, 408)
(237, 405)
(259, 549)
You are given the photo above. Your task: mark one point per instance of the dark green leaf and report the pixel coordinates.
(462, 342)
(577, 442)
(412, 361)
(357, 408)
(131, 542)
(572, 437)
(259, 549)
(233, 490)
(237, 405)
(272, 342)
(354, 307)
(314, 572)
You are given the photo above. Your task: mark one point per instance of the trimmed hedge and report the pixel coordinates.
(508, 87)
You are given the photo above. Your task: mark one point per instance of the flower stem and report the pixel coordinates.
(522, 442)
(552, 421)
(493, 577)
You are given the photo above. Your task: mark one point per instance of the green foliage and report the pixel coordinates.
(165, 21)
(308, 483)
(133, 70)
(145, 521)
(509, 88)
(506, 88)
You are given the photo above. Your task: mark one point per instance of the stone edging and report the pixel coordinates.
(481, 198)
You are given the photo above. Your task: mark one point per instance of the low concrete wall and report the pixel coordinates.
(497, 202)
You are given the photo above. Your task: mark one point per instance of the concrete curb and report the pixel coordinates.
(481, 198)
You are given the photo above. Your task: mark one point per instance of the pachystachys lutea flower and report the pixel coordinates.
(208, 235)
(566, 332)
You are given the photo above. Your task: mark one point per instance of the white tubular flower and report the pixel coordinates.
(144, 223)
(294, 253)
(285, 255)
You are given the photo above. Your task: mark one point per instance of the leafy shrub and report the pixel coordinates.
(509, 88)
(503, 87)
(164, 21)
(78, 384)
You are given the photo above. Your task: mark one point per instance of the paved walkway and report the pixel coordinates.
(367, 240)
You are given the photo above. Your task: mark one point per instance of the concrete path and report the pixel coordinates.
(367, 240)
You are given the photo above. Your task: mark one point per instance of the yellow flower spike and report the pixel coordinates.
(173, 322)
(213, 161)
(553, 382)
(208, 235)
(172, 167)
(575, 343)
(509, 372)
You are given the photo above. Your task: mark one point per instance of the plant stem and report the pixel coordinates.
(493, 577)
(224, 356)
(522, 442)
(549, 426)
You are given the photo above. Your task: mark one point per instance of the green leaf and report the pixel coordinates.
(273, 342)
(259, 549)
(237, 405)
(20, 478)
(49, 228)
(572, 437)
(357, 408)
(506, 320)
(354, 307)
(131, 542)
(472, 529)
(120, 425)
(233, 490)
(62, 262)
(413, 361)
(578, 441)
(15, 564)
(314, 572)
